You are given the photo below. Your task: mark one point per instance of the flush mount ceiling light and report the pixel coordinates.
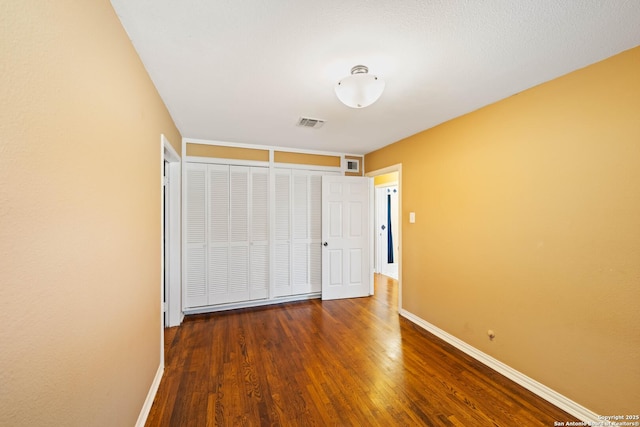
(360, 89)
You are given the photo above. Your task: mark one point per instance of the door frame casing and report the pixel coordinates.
(172, 241)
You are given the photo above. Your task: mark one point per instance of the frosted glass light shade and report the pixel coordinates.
(360, 89)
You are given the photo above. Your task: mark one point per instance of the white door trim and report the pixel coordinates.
(173, 239)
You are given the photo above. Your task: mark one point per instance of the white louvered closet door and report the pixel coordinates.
(259, 247)
(298, 231)
(229, 241)
(227, 222)
(282, 233)
(239, 234)
(315, 232)
(195, 287)
(307, 231)
(218, 233)
(300, 241)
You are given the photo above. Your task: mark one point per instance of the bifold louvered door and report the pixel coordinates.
(259, 243)
(282, 234)
(305, 236)
(227, 256)
(298, 232)
(195, 285)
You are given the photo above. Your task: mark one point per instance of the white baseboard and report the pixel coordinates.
(146, 408)
(530, 384)
(175, 322)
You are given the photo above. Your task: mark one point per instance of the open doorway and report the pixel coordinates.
(386, 224)
(387, 238)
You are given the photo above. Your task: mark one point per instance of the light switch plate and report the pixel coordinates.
(412, 217)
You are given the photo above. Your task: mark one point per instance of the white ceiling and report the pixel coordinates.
(246, 70)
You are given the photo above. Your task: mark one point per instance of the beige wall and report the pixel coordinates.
(79, 217)
(528, 223)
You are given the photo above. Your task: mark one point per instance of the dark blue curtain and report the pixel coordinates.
(389, 235)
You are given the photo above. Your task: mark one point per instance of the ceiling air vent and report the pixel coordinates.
(307, 122)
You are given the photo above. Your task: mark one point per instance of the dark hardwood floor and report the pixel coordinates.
(334, 363)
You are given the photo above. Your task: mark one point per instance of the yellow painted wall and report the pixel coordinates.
(528, 223)
(386, 178)
(306, 159)
(224, 152)
(79, 217)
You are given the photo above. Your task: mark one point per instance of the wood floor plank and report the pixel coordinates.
(319, 363)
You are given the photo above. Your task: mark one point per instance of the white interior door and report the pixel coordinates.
(346, 233)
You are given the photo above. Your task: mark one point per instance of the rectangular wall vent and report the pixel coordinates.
(308, 122)
(353, 165)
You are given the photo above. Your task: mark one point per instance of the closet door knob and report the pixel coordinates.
(325, 244)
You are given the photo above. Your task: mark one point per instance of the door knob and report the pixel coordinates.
(383, 227)
(325, 244)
